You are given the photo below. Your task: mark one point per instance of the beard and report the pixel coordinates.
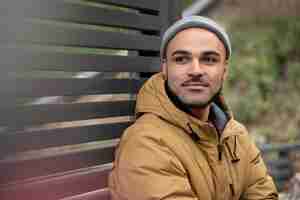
(194, 104)
(203, 104)
(181, 104)
(184, 103)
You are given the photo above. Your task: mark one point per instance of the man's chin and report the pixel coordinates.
(197, 103)
(202, 102)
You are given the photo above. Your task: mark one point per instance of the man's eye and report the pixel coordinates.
(181, 59)
(210, 60)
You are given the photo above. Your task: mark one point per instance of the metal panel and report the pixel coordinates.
(56, 160)
(40, 164)
(68, 35)
(79, 13)
(13, 59)
(19, 116)
(31, 140)
(66, 87)
(60, 185)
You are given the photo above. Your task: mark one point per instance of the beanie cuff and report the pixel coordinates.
(195, 22)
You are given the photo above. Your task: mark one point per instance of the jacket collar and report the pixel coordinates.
(154, 98)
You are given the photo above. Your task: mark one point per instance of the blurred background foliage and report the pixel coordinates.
(263, 87)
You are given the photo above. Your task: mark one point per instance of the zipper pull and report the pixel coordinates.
(220, 150)
(232, 189)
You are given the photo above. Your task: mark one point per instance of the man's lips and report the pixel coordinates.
(195, 84)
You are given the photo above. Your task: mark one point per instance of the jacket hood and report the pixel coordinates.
(153, 98)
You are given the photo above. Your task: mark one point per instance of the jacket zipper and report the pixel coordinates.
(220, 150)
(219, 145)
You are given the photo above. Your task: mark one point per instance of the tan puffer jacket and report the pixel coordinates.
(169, 154)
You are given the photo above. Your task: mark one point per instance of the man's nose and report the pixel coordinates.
(196, 68)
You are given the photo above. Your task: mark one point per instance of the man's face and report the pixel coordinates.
(195, 66)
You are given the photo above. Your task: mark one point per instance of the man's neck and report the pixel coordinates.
(201, 113)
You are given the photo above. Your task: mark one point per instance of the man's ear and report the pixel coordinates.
(226, 64)
(164, 67)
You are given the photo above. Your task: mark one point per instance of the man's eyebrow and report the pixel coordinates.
(181, 52)
(213, 53)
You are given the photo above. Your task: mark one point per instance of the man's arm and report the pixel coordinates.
(146, 169)
(260, 184)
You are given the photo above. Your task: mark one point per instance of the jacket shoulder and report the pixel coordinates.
(147, 125)
(143, 158)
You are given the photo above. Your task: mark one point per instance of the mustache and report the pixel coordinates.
(196, 81)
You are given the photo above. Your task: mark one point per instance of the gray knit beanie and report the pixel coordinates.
(195, 22)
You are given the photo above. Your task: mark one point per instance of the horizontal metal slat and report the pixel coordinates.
(65, 35)
(153, 5)
(79, 13)
(279, 163)
(12, 143)
(89, 181)
(102, 194)
(281, 174)
(15, 88)
(12, 59)
(141, 4)
(15, 168)
(266, 148)
(19, 116)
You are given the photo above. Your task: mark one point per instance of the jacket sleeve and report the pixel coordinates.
(260, 185)
(146, 169)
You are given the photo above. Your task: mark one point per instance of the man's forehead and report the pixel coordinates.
(196, 39)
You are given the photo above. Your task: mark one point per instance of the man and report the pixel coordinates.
(185, 144)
